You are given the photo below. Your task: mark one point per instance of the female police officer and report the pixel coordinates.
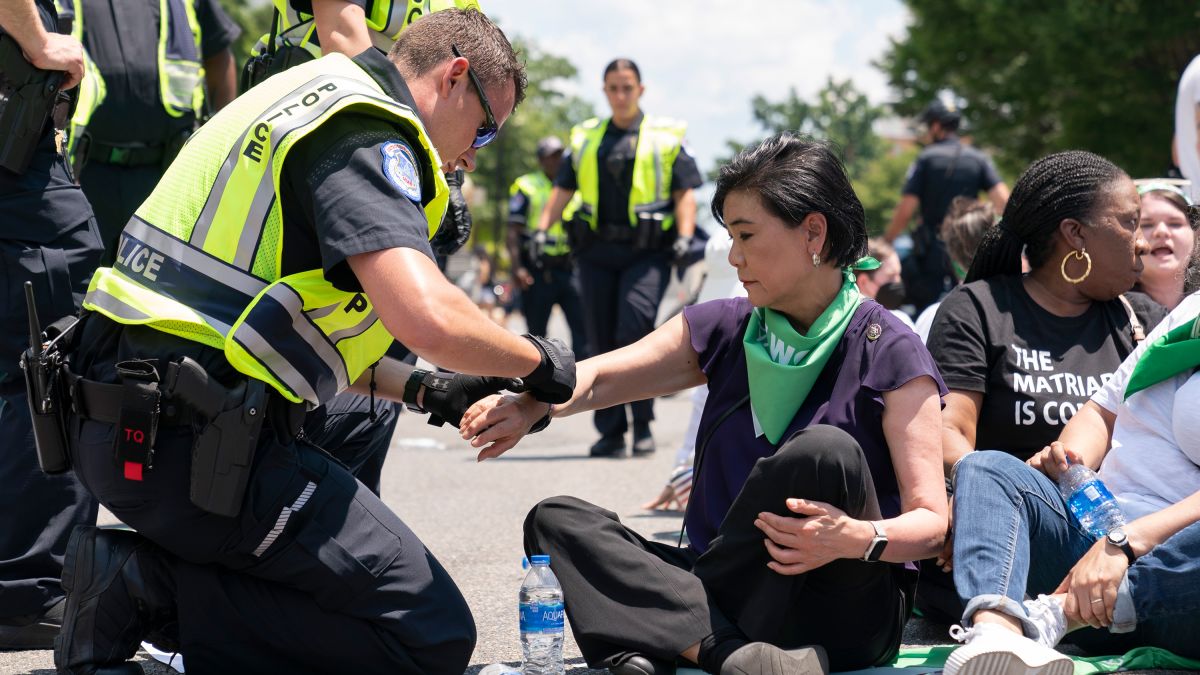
(637, 211)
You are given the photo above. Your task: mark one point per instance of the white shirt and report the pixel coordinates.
(1187, 116)
(1155, 457)
(925, 321)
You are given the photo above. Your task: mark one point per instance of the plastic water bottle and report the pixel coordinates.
(541, 603)
(1090, 500)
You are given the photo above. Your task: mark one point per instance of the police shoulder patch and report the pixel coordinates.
(400, 168)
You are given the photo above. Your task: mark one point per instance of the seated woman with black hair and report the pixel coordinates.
(818, 474)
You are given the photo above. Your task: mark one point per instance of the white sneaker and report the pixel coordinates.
(1047, 614)
(990, 649)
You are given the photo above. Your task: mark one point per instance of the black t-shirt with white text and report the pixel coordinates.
(1034, 369)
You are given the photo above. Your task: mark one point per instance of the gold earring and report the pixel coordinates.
(816, 260)
(1081, 254)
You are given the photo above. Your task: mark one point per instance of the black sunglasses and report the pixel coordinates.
(486, 133)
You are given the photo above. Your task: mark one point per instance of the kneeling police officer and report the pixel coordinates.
(284, 250)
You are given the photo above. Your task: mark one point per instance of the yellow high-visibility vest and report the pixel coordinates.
(200, 258)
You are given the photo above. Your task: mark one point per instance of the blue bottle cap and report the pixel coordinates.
(540, 560)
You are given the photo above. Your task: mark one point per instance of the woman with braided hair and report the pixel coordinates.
(1022, 353)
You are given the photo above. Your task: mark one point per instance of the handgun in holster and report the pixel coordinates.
(224, 446)
(28, 95)
(45, 391)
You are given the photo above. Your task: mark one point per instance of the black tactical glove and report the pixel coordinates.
(681, 250)
(553, 381)
(455, 229)
(448, 395)
(535, 249)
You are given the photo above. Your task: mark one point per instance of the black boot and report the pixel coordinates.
(628, 663)
(643, 440)
(608, 446)
(119, 589)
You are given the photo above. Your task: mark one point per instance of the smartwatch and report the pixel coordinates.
(1116, 537)
(878, 543)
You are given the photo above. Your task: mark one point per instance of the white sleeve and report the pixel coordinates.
(1110, 395)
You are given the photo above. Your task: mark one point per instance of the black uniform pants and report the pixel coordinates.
(624, 593)
(116, 192)
(622, 289)
(556, 286)
(346, 432)
(345, 587)
(37, 512)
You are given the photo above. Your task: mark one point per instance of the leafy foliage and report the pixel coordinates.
(1038, 77)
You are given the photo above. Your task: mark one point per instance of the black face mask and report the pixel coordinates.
(455, 229)
(891, 296)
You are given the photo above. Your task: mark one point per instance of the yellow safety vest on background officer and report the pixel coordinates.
(536, 187)
(658, 144)
(180, 72)
(201, 257)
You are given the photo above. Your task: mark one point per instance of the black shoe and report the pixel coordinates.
(119, 590)
(637, 664)
(643, 440)
(761, 658)
(38, 634)
(608, 446)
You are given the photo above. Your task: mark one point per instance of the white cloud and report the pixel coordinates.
(703, 60)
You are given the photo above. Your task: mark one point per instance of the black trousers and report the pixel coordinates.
(624, 593)
(347, 433)
(37, 512)
(622, 289)
(556, 286)
(346, 586)
(116, 192)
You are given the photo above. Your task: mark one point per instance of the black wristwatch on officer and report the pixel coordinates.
(1118, 538)
(878, 543)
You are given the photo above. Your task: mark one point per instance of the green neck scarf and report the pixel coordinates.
(782, 364)
(1176, 352)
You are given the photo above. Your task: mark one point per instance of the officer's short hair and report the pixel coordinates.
(426, 44)
(794, 176)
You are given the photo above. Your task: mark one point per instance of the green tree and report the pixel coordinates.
(546, 111)
(254, 18)
(878, 187)
(840, 113)
(1045, 76)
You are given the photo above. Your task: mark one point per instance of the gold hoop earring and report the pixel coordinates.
(1081, 254)
(816, 260)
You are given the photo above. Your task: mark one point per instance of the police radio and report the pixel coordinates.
(45, 391)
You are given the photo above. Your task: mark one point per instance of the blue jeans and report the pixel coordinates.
(1008, 515)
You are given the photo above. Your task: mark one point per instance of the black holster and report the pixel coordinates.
(223, 453)
(28, 95)
(46, 393)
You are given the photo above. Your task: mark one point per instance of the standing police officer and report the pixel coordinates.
(281, 254)
(47, 236)
(945, 169)
(541, 261)
(160, 63)
(636, 216)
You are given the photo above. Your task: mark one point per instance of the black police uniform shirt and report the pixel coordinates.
(944, 170)
(339, 200)
(615, 159)
(121, 37)
(1033, 368)
(44, 201)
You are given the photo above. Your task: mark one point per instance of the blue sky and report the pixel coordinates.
(703, 60)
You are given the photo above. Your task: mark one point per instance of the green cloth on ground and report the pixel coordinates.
(928, 658)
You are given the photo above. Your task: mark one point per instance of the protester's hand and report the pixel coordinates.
(523, 277)
(59, 52)
(1053, 460)
(448, 395)
(499, 422)
(945, 559)
(1091, 585)
(553, 381)
(819, 535)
